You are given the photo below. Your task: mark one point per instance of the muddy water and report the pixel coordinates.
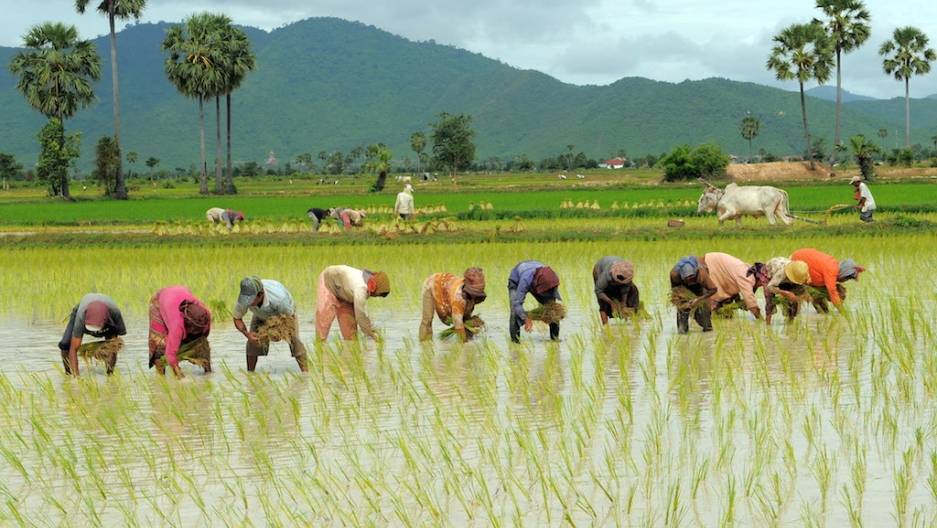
(640, 412)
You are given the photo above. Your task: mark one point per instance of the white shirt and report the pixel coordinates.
(404, 203)
(277, 301)
(864, 192)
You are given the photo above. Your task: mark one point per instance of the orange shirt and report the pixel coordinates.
(823, 271)
(447, 294)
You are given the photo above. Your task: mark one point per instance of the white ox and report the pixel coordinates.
(736, 202)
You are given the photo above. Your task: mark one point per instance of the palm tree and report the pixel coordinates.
(802, 52)
(195, 66)
(847, 26)
(240, 62)
(882, 134)
(749, 129)
(418, 143)
(55, 75)
(113, 10)
(864, 150)
(905, 55)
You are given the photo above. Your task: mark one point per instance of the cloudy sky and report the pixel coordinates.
(581, 42)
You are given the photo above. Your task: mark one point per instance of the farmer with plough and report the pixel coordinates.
(179, 328)
(826, 276)
(453, 299)
(786, 280)
(691, 289)
(273, 318)
(343, 294)
(540, 281)
(865, 202)
(228, 217)
(96, 315)
(616, 294)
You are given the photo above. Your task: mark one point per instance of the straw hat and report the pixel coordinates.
(797, 272)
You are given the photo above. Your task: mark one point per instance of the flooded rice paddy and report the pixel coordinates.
(826, 421)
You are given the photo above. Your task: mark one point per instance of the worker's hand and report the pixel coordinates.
(756, 311)
(789, 296)
(177, 371)
(768, 319)
(529, 325)
(252, 337)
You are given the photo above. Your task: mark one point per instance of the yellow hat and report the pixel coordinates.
(797, 272)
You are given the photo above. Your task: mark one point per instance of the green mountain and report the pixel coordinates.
(326, 83)
(827, 92)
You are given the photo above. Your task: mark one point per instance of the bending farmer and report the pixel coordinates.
(272, 309)
(452, 299)
(691, 274)
(826, 272)
(343, 294)
(179, 328)
(786, 278)
(98, 316)
(616, 294)
(540, 281)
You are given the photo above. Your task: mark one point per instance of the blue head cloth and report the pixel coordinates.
(687, 267)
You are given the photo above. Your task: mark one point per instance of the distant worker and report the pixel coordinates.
(453, 299)
(616, 294)
(540, 281)
(317, 216)
(179, 328)
(786, 278)
(343, 294)
(98, 316)
(691, 273)
(866, 204)
(827, 272)
(404, 208)
(735, 279)
(228, 217)
(270, 303)
(348, 217)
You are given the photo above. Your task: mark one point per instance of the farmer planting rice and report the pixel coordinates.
(228, 217)
(735, 280)
(453, 299)
(865, 202)
(317, 216)
(348, 217)
(273, 311)
(616, 294)
(343, 294)
(691, 288)
(540, 281)
(786, 279)
(179, 328)
(826, 274)
(96, 315)
(403, 207)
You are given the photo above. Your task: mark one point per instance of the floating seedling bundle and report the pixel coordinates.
(551, 312)
(101, 350)
(277, 328)
(473, 325)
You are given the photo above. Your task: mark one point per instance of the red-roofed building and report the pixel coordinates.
(614, 163)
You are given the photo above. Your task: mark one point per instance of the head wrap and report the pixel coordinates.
(197, 318)
(96, 316)
(622, 272)
(545, 280)
(854, 180)
(760, 272)
(687, 267)
(379, 284)
(848, 269)
(474, 283)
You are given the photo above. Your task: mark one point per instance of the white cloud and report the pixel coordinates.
(588, 41)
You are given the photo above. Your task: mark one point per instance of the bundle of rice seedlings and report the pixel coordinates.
(197, 352)
(727, 311)
(681, 297)
(277, 328)
(551, 312)
(473, 325)
(101, 350)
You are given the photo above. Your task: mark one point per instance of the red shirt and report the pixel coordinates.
(824, 269)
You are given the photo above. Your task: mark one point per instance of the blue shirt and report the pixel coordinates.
(519, 284)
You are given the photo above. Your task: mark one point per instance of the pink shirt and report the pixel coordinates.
(169, 299)
(729, 275)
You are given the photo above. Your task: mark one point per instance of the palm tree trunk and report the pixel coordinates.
(219, 185)
(907, 114)
(803, 112)
(63, 184)
(749, 150)
(203, 177)
(229, 184)
(839, 103)
(120, 187)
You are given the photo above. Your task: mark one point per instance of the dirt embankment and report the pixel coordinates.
(800, 170)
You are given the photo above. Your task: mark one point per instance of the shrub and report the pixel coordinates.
(684, 163)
